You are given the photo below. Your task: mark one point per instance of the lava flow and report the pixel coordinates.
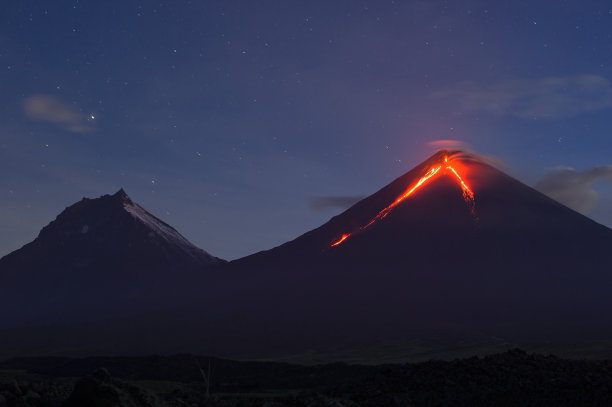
(468, 195)
(342, 239)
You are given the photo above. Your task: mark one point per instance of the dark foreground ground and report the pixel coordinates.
(513, 378)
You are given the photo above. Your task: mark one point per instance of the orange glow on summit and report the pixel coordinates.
(444, 168)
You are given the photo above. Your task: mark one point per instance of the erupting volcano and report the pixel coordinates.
(439, 169)
(453, 208)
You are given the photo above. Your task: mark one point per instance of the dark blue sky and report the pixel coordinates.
(227, 118)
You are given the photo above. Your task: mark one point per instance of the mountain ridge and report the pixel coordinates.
(514, 264)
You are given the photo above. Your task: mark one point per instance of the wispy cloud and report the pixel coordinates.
(324, 203)
(573, 188)
(548, 98)
(50, 109)
(439, 144)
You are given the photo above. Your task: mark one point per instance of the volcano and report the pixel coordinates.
(99, 257)
(452, 207)
(454, 245)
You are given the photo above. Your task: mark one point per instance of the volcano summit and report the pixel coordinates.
(436, 169)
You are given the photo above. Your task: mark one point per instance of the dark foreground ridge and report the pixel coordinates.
(513, 378)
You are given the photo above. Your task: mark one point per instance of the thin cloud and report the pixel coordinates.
(549, 98)
(324, 203)
(573, 188)
(47, 108)
(440, 144)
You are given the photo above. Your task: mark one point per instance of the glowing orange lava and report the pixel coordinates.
(342, 239)
(468, 196)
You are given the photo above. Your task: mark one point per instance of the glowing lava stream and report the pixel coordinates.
(342, 239)
(468, 195)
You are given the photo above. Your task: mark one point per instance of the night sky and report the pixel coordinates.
(247, 123)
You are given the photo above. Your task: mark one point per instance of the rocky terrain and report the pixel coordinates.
(513, 378)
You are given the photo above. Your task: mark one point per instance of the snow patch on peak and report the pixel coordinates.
(160, 228)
